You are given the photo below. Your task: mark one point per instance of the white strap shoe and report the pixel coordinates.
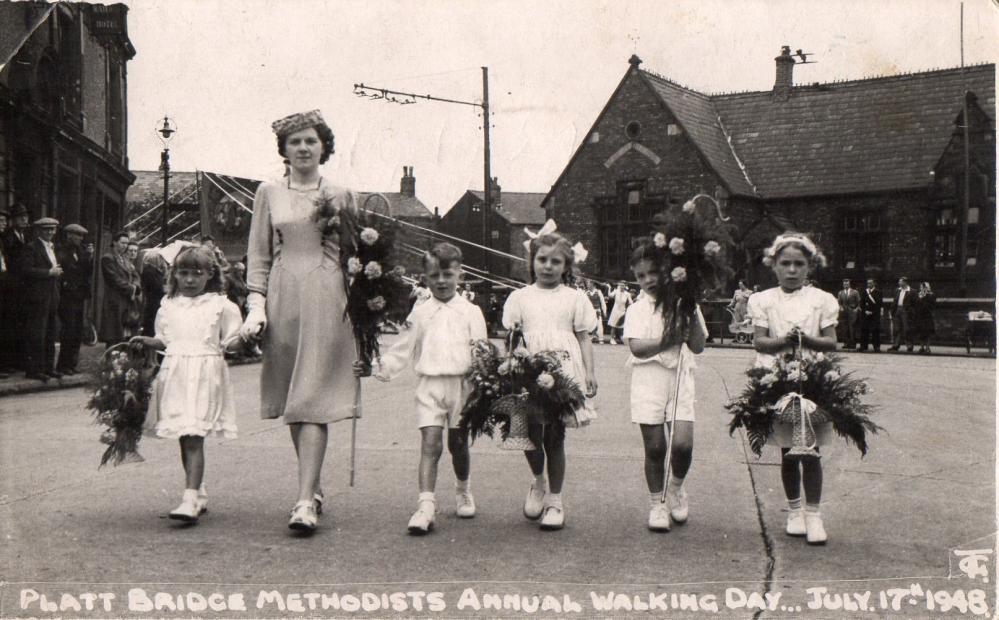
(553, 518)
(659, 518)
(466, 505)
(422, 520)
(678, 507)
(188, 511)
(303, 517)
(795, 523)
(534, 503)
(815, 532)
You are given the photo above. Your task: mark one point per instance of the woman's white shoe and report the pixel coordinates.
(815, 531)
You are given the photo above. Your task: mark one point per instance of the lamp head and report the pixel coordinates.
(166, 130)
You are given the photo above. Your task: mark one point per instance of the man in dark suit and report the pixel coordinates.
(42, 273)
(901, 311)
(14, 240)
(871, 304)
(77, 262)
(849, 304)
(120, 288)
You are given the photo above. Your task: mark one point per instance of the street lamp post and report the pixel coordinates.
(166, 131)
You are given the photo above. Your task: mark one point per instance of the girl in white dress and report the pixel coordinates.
(782, 317)
(191, 395)
(554, 317)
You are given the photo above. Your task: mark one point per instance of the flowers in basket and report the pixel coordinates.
(812, 389)
(376, 291)
(510, 390)
(691, 247)
(120, 399)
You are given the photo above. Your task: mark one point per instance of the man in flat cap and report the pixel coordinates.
(14, 240)
(77, 262)
(40, 299)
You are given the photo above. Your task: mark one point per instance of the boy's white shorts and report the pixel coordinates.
(439, 400)
(652, 389)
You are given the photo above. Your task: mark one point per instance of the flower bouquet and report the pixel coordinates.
(376, 291)
(514, 389)
(120, 399)
(691, 246)
(803, 391)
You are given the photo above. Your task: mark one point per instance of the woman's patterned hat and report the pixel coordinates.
(297, 122)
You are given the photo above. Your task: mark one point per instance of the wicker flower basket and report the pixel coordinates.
(803, 437)
(517, 409)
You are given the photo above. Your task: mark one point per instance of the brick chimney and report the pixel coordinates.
(495, 191)
(785, 70)
(407, 185)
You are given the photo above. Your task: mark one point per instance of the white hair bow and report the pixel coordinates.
(547, 229)
(579, 253)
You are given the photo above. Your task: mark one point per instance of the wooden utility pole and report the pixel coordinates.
(393, 96)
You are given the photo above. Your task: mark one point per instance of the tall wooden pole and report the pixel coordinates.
(962, 265)
(166, 194)
(487, 191)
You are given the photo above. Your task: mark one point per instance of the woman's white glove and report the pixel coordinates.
(256, 318)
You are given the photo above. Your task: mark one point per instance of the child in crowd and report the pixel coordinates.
(790, 315)
(192, 396)
(438, 344)
(553, 317)
(655, 357)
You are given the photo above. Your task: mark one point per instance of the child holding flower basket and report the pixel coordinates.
(191, 395)
(554, 317)
(797, 396)
(438, 342)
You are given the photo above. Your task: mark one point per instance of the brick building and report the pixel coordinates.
(872, 168)
(511, 213)
(63, 130)
(63, 104)
(405, 206)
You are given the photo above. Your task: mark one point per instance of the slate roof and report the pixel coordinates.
(148, 187)
(518, 207)
(868, 135)
(700, 120)
(402, 206)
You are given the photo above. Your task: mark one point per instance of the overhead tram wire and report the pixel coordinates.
(479, 273)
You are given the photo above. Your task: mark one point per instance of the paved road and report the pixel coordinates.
(927, 488)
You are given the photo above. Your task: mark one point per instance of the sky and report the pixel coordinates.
(223, 70)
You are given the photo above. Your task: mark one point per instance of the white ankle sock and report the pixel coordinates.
(540, 482)
(553, 499)
(461, 486)
(655, 498)
(812, 508)
(794, 504)
(427, 496)
(675, 484)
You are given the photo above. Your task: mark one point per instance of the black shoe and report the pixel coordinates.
(37, 376)
(55, 374)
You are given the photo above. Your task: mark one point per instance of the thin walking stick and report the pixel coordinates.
(353, 420)
(672, 418)
(672, 422)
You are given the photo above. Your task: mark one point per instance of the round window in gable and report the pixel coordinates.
(633, 129)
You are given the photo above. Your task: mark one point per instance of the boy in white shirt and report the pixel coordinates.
(438, 344)
(653, 364)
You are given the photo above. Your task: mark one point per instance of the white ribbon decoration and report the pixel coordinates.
(807, 406)
(579, 253)
(547, 229)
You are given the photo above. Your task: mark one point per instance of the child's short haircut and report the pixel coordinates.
(446, 254)
(196, 257)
